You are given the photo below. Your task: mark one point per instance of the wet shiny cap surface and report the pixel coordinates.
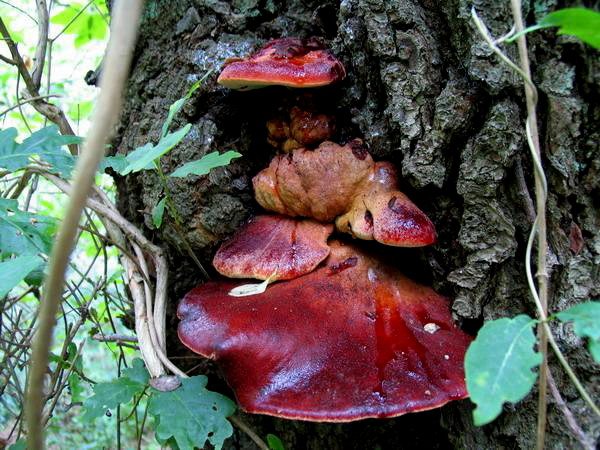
(351, 340)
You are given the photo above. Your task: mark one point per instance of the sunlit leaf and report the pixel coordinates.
(205, 164)
(85, 24)
(46, 145)
(191, 415)
(22, 232)
(13, 271)
(586, 324)
(499, 365)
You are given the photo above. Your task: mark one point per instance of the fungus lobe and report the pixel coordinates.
(351, 340)
(344, 184)
(274, 247)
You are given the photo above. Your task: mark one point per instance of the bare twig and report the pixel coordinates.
(40, 49)
(114, 338)
(583, 438)
(118, 58)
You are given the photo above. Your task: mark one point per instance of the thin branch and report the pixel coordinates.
(116, 337)
(27, 100)
(579, 434)
(40, 49)
(118, 59)
(21, 10)
(7, 60)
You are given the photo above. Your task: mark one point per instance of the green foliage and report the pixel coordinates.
(586, 324)
(274, 442)
(191, 415)
(498, 365)
(205, 164)
(13, 271)
(142, 158)
(582, 23)
(86, 24)
(109, 395)
(21, 444)
(158, 212)
(45, 145)
(23, 233)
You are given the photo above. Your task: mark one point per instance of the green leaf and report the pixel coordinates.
(498, 365)
(142, 158)
(108, 395)
(178, 104)
(205, 164)
(586, 324)
(13, 271)
(582, 23)
(23, 233)
(45, 144)
(21, 444)
(117, 163)
(157, 214)
(191, 415)
(88, 26)
(274, 442)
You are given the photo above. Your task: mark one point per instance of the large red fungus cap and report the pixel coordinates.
(351, 340)
(344, 184)
(274, 247)
(292, 62)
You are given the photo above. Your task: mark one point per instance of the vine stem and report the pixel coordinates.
(539, 224)
(118, 59)
(541, 190)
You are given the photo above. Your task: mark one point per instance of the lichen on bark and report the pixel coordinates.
(424, 92)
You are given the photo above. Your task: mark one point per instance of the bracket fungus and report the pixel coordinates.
(291, 62)
(351, 340)
(342, 336)
(273, 247)
(344, 184)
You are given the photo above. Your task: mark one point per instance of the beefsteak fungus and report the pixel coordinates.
(351, 340)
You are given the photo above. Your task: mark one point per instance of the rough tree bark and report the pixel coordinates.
(424, 92)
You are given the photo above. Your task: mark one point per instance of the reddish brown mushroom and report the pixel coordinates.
(274, 247)
(351, 340)
(344, 182)
(292, 62)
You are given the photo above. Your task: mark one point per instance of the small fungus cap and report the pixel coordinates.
(292, 62)
(274, 247)
(351, 340)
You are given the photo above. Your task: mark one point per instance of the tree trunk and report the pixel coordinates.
(424, 92)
